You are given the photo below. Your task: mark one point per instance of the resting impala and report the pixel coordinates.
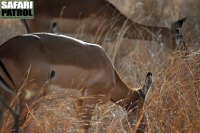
(100, 19)
(69, 63)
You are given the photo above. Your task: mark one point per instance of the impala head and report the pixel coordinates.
(143, 91)
(177, 41)
(138, 99)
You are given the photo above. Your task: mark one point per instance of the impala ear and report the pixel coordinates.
(177, 35)
(178, 24)
(147, 83)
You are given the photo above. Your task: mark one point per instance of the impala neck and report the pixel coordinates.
(136, 30)
(123, 95)
(149, 33)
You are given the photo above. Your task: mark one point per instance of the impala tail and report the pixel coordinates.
(3, 83)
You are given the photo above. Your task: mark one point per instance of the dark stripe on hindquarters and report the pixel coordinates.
(6, 72)
(5, 86)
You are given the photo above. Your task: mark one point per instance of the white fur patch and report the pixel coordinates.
(29, 94)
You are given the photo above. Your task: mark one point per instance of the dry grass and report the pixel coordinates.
(176, 97)
(173, 105)
(173, 102)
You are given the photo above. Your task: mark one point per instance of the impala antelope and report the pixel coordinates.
(69, 63)
(100, 19)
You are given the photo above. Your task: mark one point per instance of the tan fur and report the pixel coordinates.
(95, 17)
(73, 63)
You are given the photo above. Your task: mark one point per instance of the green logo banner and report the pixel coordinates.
(17, 9)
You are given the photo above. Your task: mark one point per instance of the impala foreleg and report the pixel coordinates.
(85, 111)
(85, 108)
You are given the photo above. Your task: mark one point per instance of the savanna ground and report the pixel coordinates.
(173, 103)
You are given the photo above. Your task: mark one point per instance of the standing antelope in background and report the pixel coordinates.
(100, 19)
(68, 63)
